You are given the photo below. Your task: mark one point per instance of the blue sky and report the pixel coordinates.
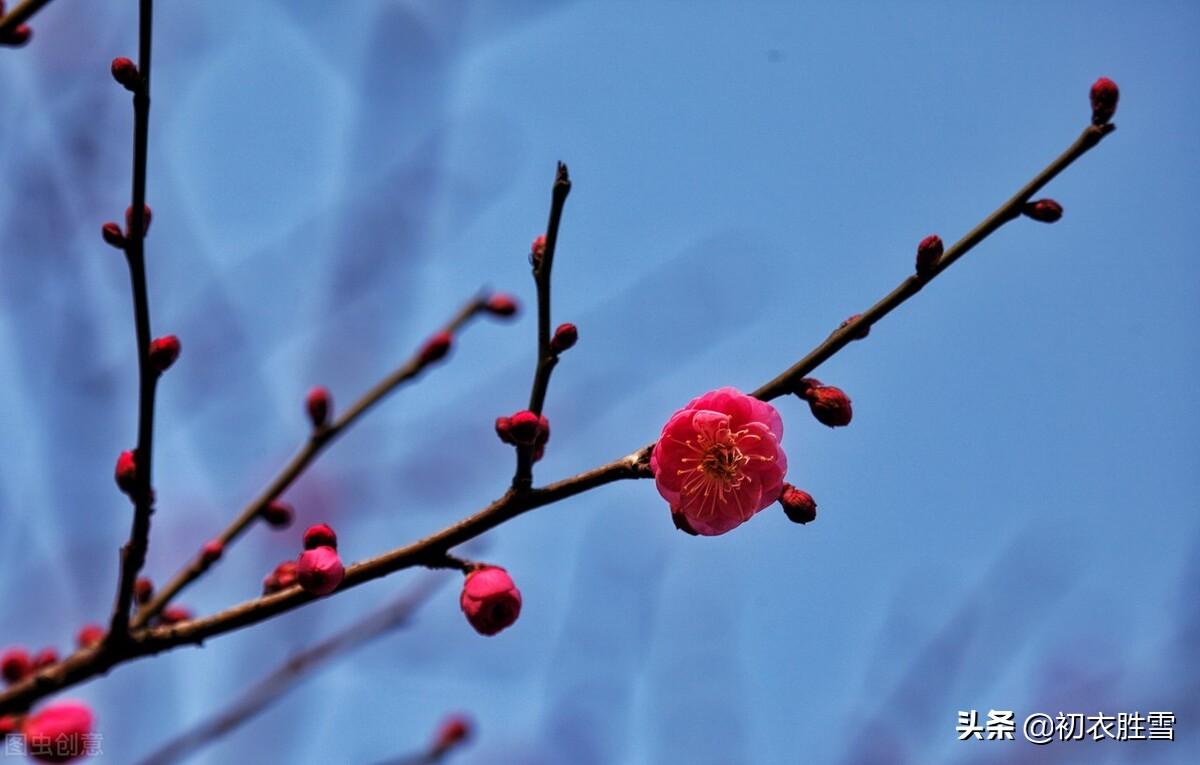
(1009, 523)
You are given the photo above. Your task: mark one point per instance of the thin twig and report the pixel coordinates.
(133, 554)
(547, 359)
(317, 441)
(88, 663)
(19, 15)
(285, 678)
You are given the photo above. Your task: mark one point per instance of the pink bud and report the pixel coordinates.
(537, 249)
(113, 235)
(17, 37)
(89, 635)
(528, 429)
(15, 665)
(501, 304)
(281, 578)
(320, 570)
(320, 536)
(163, 352)
(490, 600)
(318, 403)
(126, 472)
(861, 333)
(212, 551)
(1104, 95)
(797, 505)
(175, 615)
(1043, 210)
(829, 405)
(147, 214)
(564, 337)
(504, 429)
(929, 251)
(45, 658)
(453, 731)
(143, 589)
(278, 514)
(125, 72)
(436, 347)
(60, 732)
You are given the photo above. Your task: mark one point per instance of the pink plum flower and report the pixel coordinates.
(59, 732)
(718, 461)
(490, 600)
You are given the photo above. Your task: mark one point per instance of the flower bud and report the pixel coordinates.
(1104, 95)
(320, 536)
(501, 304)
(45, 658)
(175, 615)
(163, 352)
(528, 429)
(929, 251)
(113, 235)
(146, 216)
(9, 724)
(143, 590)
(58, 733)
(1043, 210)
(564, 337)
(436, 347)
(212, 551)
(862, 332)
(537, 250)
(126, 472)
(281, 578)
(17, 37)
(318, 403)
(829, 405)
(453, 731)
(320, 570)
(89, 635)
(504, 429)
(15, 665)
(797, 505)
(278, 514)
(125, 72)
(490, 600)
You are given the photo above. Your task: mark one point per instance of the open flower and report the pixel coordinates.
(718, 460)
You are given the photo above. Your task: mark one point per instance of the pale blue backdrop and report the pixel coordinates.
(1009, 523)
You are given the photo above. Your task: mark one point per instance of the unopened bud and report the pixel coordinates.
(501, 304)
(929, 251)
(318, 403)
(89, 635)
(537, 250)
(143, 590)
(175, 615)
(1104, 95)
(113, 235)
(320, 570)
(453, 731)
(15, 665)
(17, 37)
(126, 472)
(320, 535)
(829, 405)
(436, 347)
(278, 514)
(147, 214)
(163, 352)
(798, 505)
(212, 551)
(564, 337)
(1043, 210)
(125, 72)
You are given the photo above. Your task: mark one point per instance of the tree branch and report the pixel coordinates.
(318, 440)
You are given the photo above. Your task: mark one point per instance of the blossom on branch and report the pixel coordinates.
(718, 461)
(490, 600)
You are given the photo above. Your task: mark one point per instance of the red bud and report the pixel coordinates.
(281, 578)
(929, 251)
(320, 535)
(797, 505)
(1043, 210)
(175, 615)
(15, 665)
(529, 429)
(163, 352)
(125, 72)
(45, 658)
(318, 403)
(126, 472)
(212, 551)
(89, 635)
(278, 514)
(146, 217)
(113, 235)
(564, 337)
(501, 304)
(17, 37)
(320, 570)
(829, 405)
(1104, 96)
(537, 249)
(436, 347)
(503, 430)
(143, 590)
(453, 731)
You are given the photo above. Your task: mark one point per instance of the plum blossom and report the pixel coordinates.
(718, 461)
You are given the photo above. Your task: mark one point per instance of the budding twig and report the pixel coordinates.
(318, 439)
(547, 358)
(295, 670)
(133, 554)
(87, 663)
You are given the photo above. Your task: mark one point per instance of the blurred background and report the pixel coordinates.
(1009, 523)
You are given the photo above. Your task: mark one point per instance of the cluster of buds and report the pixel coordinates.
(318, 570)
(525, 429)
(18, 36)
(490, 600)
(16, 664)
(828, 404)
